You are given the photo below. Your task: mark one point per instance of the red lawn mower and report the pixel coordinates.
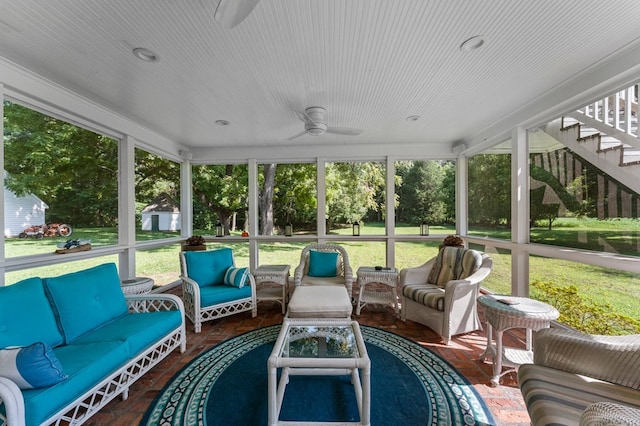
(49, 230)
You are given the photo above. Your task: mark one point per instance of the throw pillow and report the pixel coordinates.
(236, 277)
(323, 263)
(31, 367)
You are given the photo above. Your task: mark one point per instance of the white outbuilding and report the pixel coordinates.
(21, 212)
(162, 214)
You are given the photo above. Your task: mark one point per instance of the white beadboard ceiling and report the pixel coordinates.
(369, 63)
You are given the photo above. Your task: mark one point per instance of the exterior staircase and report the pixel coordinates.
(605, 133)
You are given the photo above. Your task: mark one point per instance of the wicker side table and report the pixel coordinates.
(522, 312)
(137, 285)
(272, 283)
(377, 286)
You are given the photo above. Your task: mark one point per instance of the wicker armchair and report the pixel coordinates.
(205, 295)
(585, 379)
(343, 273)
(445, 302)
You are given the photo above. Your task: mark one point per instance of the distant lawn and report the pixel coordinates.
(619, 288)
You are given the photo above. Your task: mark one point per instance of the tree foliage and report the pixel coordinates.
(490, 189)
(423, 194)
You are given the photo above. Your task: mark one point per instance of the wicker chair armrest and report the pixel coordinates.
(154, 303)
(416, 275)
(298, 274)
(609, 413)
(614, 359)
(11, 397)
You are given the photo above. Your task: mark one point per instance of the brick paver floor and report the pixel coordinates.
(505, 401)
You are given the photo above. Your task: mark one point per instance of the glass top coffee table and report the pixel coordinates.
(326, 347)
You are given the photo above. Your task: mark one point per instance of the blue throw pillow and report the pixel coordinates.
(86, 299)
(208, 267)
(236, 277)
(31, 367)
(323, 263)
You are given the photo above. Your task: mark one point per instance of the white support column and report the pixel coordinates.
(462, 195)
(520, 211)
(127, 207)
(390, 214)
(186, 199)
(2, 200)
(321, 167)
(254, 258)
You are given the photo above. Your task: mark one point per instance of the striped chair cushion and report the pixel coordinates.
(558, 397)
(453, 263)
(425, 294)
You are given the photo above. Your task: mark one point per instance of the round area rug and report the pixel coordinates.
(227, 385)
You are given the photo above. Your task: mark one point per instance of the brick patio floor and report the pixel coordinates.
(463, 353)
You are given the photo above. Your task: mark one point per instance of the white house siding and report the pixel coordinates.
(22, 212)
(167, 221)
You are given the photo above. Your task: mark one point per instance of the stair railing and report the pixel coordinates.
(618, 111)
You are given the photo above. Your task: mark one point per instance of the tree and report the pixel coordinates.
(423, 195)
(490, 189)
(70, 168)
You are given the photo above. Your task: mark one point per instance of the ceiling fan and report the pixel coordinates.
(315, 124)
(230, 13)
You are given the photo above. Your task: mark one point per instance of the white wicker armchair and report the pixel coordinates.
(344, 273)
(448, 309)
(585, 379)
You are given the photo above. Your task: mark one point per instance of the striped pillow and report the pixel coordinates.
(236, 277)
(454, 263)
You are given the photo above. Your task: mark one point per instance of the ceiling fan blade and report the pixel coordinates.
(230, 13)
(297, 136)
(346, 131)
(304, 117)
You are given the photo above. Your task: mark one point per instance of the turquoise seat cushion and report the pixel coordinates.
(26, 315)
(30, 367)
(139, 330)
(323, 263)
(86, 299)
(207, 268)
(216, 294)
(428, 295)
(453, 263)
(86, 365)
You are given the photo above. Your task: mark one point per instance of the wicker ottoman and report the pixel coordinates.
(320, 301)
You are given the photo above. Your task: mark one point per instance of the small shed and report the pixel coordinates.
(162, 214)
(21, 212)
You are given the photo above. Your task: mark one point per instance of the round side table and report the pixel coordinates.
(503, 313)
(137, 285)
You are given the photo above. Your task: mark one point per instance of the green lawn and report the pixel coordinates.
(619, 288)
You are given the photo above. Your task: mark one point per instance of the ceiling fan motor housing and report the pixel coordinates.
(318, 123)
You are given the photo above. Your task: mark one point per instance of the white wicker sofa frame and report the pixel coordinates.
(79, 408)
(459, 314)
(344, 273)
(579, 378)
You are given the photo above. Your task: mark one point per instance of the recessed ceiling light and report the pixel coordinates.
(413, 118)
(145, 54)
(222, 122)
(473, 43)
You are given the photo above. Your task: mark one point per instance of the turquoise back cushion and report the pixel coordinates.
(26, 316)
(453, 263)
(208, 267)
(323, 263)
(86, 299)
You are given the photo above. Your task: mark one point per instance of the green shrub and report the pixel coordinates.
(581, 313)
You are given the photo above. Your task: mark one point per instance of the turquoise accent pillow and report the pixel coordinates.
(86, 299)
(208, 267)
(323, 263)
(236, 277)
(26, 315)
(31, 367)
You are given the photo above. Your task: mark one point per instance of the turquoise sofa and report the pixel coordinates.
(77, 342)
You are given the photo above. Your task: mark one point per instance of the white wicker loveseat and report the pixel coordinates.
(585, 379)
(72, 343)
(442, 292)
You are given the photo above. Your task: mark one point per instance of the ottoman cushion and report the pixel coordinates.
(320, 302)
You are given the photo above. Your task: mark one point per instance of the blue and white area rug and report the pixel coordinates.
(227, 385)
